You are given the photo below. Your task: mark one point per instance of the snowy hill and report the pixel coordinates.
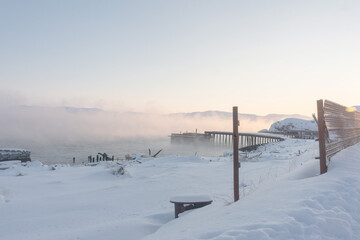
(292, 124)
(281, 197)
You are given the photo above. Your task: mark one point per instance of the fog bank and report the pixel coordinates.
(47, 125)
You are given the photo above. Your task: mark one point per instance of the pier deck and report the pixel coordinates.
(226, 138)
(245, 139)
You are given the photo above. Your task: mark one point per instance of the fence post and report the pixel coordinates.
(236, 153)
(321, 127)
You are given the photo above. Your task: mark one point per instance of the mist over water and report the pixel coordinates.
(56, 135)
(64, 153)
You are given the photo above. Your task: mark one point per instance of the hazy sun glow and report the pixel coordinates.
(350, 109)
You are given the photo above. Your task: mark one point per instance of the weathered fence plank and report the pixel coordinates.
(236, 153)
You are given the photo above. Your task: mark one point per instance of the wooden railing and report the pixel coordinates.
(339, 128)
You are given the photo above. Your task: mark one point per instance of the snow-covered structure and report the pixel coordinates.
(295, 127)
(9, 154)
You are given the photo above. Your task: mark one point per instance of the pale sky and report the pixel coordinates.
(181, 56)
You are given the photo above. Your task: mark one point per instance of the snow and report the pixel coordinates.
(290, 124)
(13, 150)
(282, 196)
(190, 198)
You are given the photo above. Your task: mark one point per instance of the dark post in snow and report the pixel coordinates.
(321, 127)
(236, 153)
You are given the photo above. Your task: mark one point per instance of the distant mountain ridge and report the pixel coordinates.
(210, 113)
(65, 123)
(203, 114)
(66, 108)
(222, 114)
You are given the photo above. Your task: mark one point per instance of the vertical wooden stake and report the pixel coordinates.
(236, 153)
(321, 127)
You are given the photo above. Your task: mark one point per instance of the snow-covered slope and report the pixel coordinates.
(299, 205)
(290, 124)
(281, 197)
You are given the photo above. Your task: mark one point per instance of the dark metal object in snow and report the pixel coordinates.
(182, 205)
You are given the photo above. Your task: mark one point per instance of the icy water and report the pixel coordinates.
(51, 153)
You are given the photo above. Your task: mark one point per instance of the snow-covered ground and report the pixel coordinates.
(281, 197)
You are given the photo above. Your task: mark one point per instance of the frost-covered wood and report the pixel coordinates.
(14, 154)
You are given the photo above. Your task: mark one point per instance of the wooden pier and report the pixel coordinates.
(245, 139)
(190, 137)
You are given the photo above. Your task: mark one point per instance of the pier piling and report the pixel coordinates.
(245, 139)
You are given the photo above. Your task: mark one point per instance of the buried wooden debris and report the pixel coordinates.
(157, 153)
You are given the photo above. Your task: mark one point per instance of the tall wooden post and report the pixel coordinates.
(321, 127)
(236, 153)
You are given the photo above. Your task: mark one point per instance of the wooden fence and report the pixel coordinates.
(339, 128)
